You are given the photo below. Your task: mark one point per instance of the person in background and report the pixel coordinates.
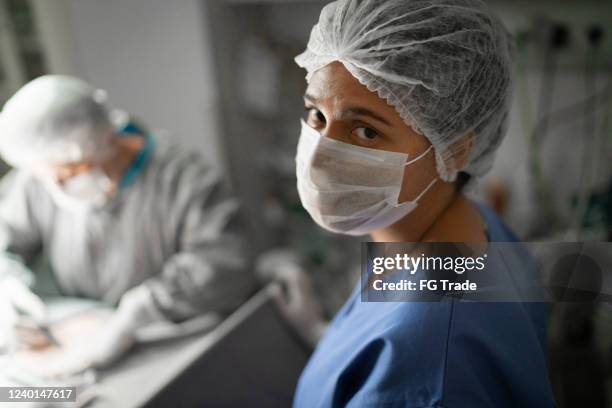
(407, 101)
(123, 216)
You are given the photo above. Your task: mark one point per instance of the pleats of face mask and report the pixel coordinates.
(350, 189)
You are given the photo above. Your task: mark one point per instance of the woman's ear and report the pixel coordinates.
(461, 151)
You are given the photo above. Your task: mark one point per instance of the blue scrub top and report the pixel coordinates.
(446, 354)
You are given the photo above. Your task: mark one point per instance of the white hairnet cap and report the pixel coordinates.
(56, 119)
(444, 65)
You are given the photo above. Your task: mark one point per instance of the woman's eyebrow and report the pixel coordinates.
(351, 111)
(358, 111)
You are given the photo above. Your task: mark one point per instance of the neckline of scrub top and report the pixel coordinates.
(141, 159)
(482, 210)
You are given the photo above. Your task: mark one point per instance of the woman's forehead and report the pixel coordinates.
(334, 85)
(335, 81)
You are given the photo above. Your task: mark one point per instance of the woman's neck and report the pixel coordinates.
(447, 217)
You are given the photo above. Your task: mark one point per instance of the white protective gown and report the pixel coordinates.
(174, 230)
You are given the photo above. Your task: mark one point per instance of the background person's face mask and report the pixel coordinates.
(86, 190)
(351, 189)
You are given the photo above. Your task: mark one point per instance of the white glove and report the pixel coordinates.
(110, 343)
(300, 306)
(16, 297)
(296, 300)
(113, 340)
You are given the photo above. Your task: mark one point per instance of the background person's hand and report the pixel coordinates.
(97, 340)
(100, 349)
(118, 335)
(296, 299)
(300, 306)
(21, 313)
(113, 341)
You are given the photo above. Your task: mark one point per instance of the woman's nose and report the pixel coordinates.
(334, 131)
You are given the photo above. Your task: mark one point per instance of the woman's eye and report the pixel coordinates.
(315, 116)
(365, 133)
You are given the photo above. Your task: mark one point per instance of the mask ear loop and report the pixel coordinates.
(420, 156)
(426, 190)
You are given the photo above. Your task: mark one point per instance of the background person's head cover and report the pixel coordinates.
(443, 65)
(60, 120)
(54, 119)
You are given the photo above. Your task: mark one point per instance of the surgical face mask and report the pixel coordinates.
(83, 191)
(350, 189)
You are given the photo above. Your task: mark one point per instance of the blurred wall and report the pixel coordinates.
(152, 56)
(562, 155)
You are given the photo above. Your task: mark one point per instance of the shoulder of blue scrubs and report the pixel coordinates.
(497, 230)
(431, 354)
(142, 158)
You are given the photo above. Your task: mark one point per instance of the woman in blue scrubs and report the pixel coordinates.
(407, 102)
